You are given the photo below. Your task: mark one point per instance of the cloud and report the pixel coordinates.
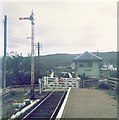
(71, 27)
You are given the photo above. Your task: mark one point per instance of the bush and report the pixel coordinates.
(104, 85)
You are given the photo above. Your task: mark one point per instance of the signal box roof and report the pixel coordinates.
(87, 56)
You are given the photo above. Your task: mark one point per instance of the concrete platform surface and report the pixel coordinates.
(89, 103)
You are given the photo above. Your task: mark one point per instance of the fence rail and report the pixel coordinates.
(17, 87)
(113, 82)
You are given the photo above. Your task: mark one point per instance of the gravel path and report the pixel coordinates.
(90, 103)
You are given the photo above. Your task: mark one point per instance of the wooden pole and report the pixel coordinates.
(5, 46)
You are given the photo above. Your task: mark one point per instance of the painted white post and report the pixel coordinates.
(40, 86)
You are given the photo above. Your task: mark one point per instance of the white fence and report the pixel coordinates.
(61, 83)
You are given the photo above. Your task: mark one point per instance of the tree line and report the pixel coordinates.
(18, 68)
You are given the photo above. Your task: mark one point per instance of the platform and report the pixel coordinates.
(89, 103)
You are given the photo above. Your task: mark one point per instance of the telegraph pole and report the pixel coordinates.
(39, 47)
(38, 58)
(5, 46)
(31, 18)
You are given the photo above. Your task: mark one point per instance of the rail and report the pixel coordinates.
(36, 107)
(58, 106)
(52, 102)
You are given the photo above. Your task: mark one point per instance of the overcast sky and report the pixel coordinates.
(62, 27)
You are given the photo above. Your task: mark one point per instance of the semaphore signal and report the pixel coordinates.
(31, 18)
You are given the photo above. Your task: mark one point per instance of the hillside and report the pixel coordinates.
(18, 69)
(66, 59)
(108, 57)
(58, 59)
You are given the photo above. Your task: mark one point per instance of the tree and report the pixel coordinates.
(18, 69)
(104, 85)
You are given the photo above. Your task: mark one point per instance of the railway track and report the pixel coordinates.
(48, 107)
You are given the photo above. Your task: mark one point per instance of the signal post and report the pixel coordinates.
(31, 18)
